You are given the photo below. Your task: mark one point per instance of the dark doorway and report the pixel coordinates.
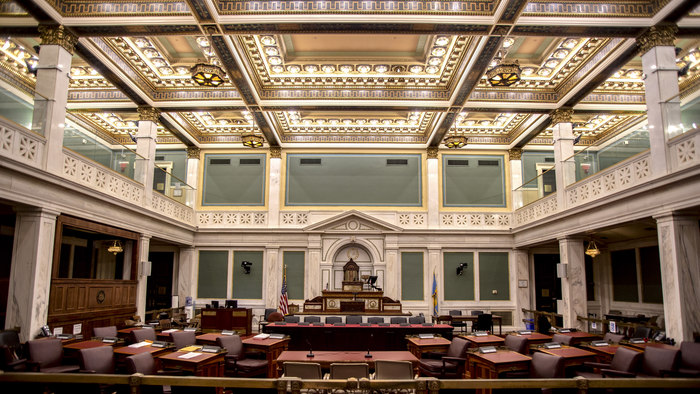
(547, 285)
(7, 238)
(159, 289)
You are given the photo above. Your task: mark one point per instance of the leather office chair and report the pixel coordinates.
(563, 339)
(353, 319)
(237, 362)
(656, 360)
(612, 337)
(388, 369)
(275, 317)
(143, 363)
(349, 370)
(11, 352)
(183, 338)
(546, 366)
(641, 332)
(518, 344)
(97, 360)
(484, 322)
(624, 363)
(449, 365)
(689, 363)
(477, 313)
(462, 325)
(46, 355)
(398, 320)
(105, 332)
(263, 319)
(375, 320)
(312, 319)
(291, 319)
(333, 319)
(416, 319)
(302, 370)
(143, 334)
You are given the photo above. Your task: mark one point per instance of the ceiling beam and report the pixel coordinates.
(174, 131)
(534, 133)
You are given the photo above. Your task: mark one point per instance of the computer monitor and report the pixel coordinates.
(231, 304)
(215, 304)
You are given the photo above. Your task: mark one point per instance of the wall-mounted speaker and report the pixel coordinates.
(562, 270)
(146, 268)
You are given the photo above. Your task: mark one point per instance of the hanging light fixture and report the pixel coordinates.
(504, 74)
(455, 141)
(207, 74)
(116, 247)
(252, 140)
(592, 249)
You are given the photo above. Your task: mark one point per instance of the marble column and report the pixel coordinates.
(679, 250)
(30, 272)
(146, 149)
(434, 259)
(392, 276)
(565, 170)
(312, 267)
(520, 264)
(273, 211)
(516, 177)
(187, 272)
(272, 277)
(142, 280)
(192, 176)
(573, 286)
(433, 188)
(661, 92)
(52, 79)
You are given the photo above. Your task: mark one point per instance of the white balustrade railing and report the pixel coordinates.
(537, 210)
(20, 144)
(476, 220)
(683, 150)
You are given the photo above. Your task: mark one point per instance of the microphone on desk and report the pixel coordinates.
(371, 337)
(311, 352)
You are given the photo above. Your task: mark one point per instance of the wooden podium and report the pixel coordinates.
(235, 319)
(371, 302)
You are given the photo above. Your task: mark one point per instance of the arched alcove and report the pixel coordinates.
(359, 254)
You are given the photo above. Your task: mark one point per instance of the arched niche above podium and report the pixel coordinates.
(360, 257)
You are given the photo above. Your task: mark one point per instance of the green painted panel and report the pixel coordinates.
(458, 287)
(295, 274)
(353, 179)
(234, 179)
(473, 181)
(412, 276)
(493, 275)
(247, 286)
(212, 274)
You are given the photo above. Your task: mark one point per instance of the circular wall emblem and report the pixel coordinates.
(101, 296)
(353, 225)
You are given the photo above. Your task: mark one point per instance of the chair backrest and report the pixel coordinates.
(375, 319)
(642, 332)
(657, 359)
(612, 337)
(47, 352)
(141, 363)
(9, 338)
(690, 355)
(333, 319)
(543, 324)
(291, 319)
(99, 359)
(484, 322)
(477, 313)
(349, 370)
(397, 320)
(302, 370)
(517, 343)
(626, 359)
(563, 339)
(232, 344)
(105, 332)
(353, 319)
(546, 366)
(458, 347)
(388, 369)
(275, 316)
(268, 311)
(165, 324)
(143, 334)
(455, 313)
(312, 319)
(183, 338)
(416, 319)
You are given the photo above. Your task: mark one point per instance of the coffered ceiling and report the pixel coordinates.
(388, 74)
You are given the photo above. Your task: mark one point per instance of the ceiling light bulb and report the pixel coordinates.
(271, 51)
(381, 68)
(431, 69)
(442, 40)
(508, 42)
(277, 69)
(438, 51)
(310, 68)
(551, 63)
(346, 68)
(569, 43)
(416, 69)
(560, 53)
(202, 41)
(328, 68)
(150, 53)
(158, 62)
(274, 60)
(142, 42)
(363, 68)
(294, 69)
(267, 40)
(434, 61)
(527, 71)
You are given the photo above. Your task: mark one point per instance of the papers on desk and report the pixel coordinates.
(262, 336)
(277, 336)
(170, 330)
(189, 355)
(140, 344)
(426, 336)
(190, 348)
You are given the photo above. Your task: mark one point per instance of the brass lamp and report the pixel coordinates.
(455, 141)
(207, 74)
(504, 74)
(592, 249)
(116, 247)
(252, 140)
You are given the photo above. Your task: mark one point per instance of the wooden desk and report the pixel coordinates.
(165, 335)
(204, 364)
(326, 358)
(490, 365)
(208, 338)
(354, 336)
(125, 333)
(535, 338)
(122, 353)
(643, 346)
(488, 340)
(71, 350)
(571, 355)
(418, 346)
(580, 336)
(272, 349)
(468, 318)
(603, 353)
(234, 319)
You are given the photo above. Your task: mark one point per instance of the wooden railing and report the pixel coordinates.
(295, 385)
(551, 315)
(605, 323)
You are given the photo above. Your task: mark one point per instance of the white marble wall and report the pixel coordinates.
(192, 179)
(146, 148)
(273, 212)
(30, 275)
(272, 277)
(573, 287)
(433, 192)
(520, 264)
(187, 272)
(141, 287)
(565, 170)
(679, 250)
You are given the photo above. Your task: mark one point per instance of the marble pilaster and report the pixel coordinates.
(273, 212)
(565, 170)
(142, 280)
(146, 149)
(433, 192)
(573, 286)
(313, 267)
(192, 175)
(516, 177)
(433, 266)
(392, 276)
(272, 277)
(30, 273)
(187, 267)
(679, 251)
(520, 264)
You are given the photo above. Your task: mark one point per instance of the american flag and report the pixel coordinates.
(284, 303)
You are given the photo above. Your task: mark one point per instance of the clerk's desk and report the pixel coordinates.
(466, 318)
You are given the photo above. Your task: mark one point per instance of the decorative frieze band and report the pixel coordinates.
(58, 35)
(664, 35)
